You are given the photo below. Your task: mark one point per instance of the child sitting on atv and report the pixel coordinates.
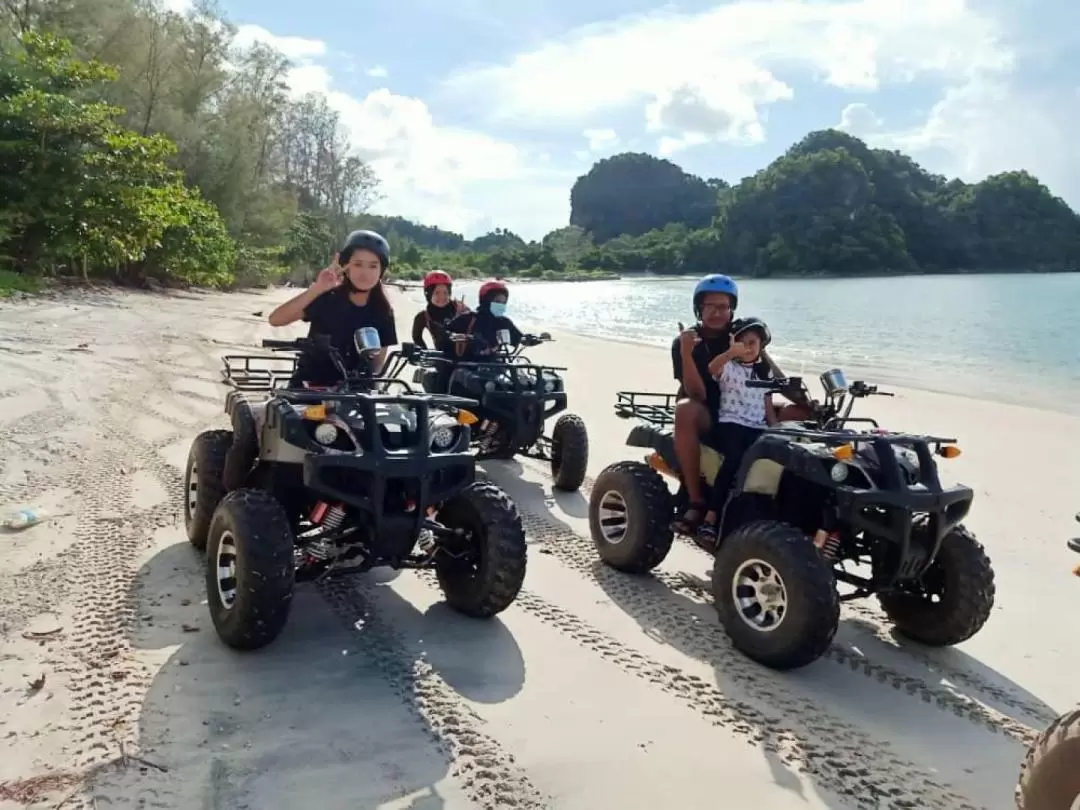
(742, 416)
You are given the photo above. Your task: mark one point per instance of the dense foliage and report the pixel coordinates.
(830, 206)
(141, 144)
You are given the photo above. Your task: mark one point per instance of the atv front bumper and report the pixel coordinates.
(913, 520)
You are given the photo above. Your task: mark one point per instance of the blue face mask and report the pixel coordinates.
(498, 309)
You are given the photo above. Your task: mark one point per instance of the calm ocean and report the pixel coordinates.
(1012, 338)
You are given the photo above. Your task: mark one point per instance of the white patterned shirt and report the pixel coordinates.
(739, 404)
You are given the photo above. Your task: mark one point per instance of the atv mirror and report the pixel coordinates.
(545, 335)
(834, 381)
(367, 340)
(502, 337)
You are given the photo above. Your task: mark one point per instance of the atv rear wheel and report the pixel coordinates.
(775, 594)
(487, 579)
(203, 487)
(630, 513)
(1049, 777)
(569, 452)
(962, 580)
(249, 569)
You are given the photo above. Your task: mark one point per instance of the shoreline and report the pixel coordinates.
(881, 376)
(110, 651)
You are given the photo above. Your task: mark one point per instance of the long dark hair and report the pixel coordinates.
(377, 298)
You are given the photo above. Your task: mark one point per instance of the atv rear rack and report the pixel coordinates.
(258, 373)
(656, 409)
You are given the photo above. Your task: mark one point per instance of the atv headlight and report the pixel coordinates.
(326, 433)
(442, 437)
(838, 472)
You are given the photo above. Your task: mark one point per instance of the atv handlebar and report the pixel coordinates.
(299, 344)
(779, 384)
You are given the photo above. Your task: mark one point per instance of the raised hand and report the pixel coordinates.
(329, 277)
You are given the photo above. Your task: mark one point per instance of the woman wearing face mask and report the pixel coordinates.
(484, 324)
(440, 309)
(346, 296)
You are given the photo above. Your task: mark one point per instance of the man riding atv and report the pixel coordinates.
(715, 300)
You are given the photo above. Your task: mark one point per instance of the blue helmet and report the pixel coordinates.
(715, 283)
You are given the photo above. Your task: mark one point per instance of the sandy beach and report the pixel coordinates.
(594, 690)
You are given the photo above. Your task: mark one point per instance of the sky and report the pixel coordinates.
(478, 114)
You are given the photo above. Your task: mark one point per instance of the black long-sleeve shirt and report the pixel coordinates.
(434, 319)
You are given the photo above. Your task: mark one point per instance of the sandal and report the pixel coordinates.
(707, 537)
(688, 525)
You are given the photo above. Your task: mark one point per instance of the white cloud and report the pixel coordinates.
(859, 119)
(601, 139)
(722, 106)
(708, 76)
(377, 72)
(985, 126)
(429, 172)
(292, 47)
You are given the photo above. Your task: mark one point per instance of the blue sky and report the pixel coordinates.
(478, 114)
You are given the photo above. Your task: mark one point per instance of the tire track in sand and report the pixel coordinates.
(483, 768)
(874, 623)
(840, 757)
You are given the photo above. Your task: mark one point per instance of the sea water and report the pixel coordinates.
(1008, 337)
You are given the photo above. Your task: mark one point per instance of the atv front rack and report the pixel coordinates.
(853, 437)
(656, 409)
(257, 372)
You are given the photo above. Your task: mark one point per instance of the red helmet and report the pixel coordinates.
(437, 277)
(490, 288)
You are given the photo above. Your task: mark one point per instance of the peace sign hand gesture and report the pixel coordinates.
(329, 277)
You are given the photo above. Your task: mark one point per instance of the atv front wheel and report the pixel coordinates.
(1049, 778)
(776, 595)
(569, 452)
(952, 600)
(203, 487)
(630, 512)
(249, 569)
(487, 576)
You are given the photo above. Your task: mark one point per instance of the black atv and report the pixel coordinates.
(323, 483)
(517, 398)
(810, 501)
(1050, 777)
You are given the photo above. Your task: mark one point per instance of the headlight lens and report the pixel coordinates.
(442, 437)
(838, 472)
(326, 433)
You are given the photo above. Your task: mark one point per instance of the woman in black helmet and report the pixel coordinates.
(346, 296)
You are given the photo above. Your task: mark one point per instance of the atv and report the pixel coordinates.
(811, 500)
(1049, 777)
(318, 483)
(517, 398)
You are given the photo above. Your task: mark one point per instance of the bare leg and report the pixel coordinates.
(691, 422)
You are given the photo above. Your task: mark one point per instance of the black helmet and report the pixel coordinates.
(366, 240)
(746, 324)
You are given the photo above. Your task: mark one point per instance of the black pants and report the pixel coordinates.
(732, 441)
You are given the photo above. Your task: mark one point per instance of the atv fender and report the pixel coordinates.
(663, 442)
(245, 444)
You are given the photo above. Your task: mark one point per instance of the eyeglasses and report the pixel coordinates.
(715, 308)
